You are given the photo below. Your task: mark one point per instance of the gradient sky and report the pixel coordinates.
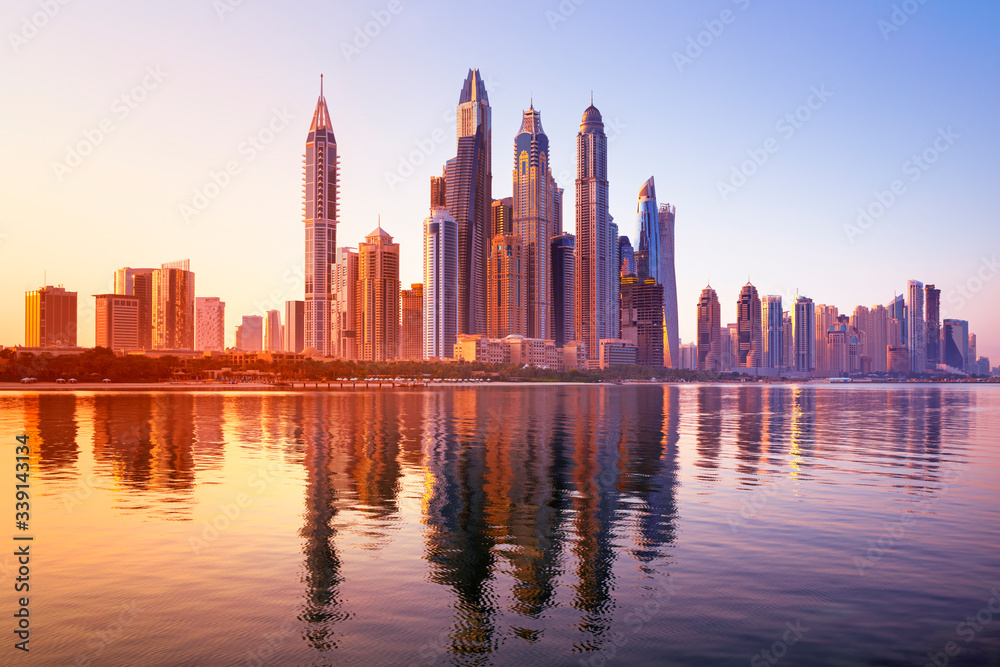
(228, 72)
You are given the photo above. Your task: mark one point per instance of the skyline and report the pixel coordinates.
(758, 229)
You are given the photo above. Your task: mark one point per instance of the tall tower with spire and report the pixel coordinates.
(597, 271)
(534, 219)
(321, 165)
(469, 199)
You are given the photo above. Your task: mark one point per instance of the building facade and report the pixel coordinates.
(440, 319)
(274, 338)
(116, 322)
(804, 334)
(209, 324)
(709, 333)
(321, 208)
(378, 327)
(916, 331)
(642, 319)
(932, 322)
(50, 317)
(772, 332)
(563, 262)
(344, 307)
(139, 283)
(412, 314)
(597, 272)
(250, 334)
(507, 292)
(295, 314)
(750, 350)
(173, 307)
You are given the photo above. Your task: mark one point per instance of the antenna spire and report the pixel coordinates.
(321, 85)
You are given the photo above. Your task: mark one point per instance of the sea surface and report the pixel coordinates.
(508, 525)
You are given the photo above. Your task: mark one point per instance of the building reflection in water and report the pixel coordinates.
(51, 424)
(710, 418)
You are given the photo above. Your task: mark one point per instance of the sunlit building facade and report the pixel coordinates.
(378, 327)
(440, 321)
(209, 324)
(173, 307)
(709, 332)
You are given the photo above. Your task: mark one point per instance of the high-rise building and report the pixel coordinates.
(709, 334)
(748, 314)
(668, 278)
(932, 321)
(563, 263)
(440, 284)
(804, 334)
(642, 319)
(116, 322)
(50, 317)
(627, 266)
(209, 324)
(877, 338)
(915, 328)
(956, 343)
(772, 332)
(344, 308)
(273, 334)
(896, 309)
(412, 314)
(825, 317)
(597, 274)
(439, 192)
(972, 355)
(378, 303)
(295, 318)
(788, 341)
(647, 259)
(507, 288)
(173, 307)
(320, 199)
(502, 217)
(250, 334)
(534, 213)
(139, 283)
(469, 179)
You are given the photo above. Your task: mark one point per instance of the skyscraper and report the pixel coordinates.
(956, 343)
(896, 309)
(709, 332)
(748, 314)
(209, 324)
(788, 341)
(648, 258)
(412, 314)
(972, 358)
(502, 217)
(642, 319)
(250, 334)
(139, 283)
(534, 211)
(563, 288)
(627, 265)
(824, 318)
(597, 274)
(378, 304)
(320, 199)
(50, 317)
(440, 284)
(772, 332)
(877, 338)
(273, 335)
(804, 333)
(932, 321)
(116, 324)
(173, 307)
(915, 328)
(344, 308)
(295, 317)
(439, 192)
(507, 290)
(668, 278)
(469, 179)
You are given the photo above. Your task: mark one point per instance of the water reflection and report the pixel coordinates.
(533, 500)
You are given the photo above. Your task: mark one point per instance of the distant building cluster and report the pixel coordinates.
(504, 283)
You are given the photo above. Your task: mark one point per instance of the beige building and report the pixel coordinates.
(209, 324)
(116, 322)
(173, 307)
(378, 327)
(344, 315)
(506, 294)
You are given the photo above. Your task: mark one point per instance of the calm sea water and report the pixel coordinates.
(531, 525)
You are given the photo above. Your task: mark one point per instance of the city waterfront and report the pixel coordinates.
(512, 525)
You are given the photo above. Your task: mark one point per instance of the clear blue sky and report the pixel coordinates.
(886, 96)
